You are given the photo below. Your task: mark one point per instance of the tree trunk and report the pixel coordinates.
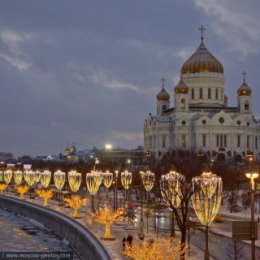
(75, 213)
(107, 230)
(183, 242)
(172, 228)
(45, 204)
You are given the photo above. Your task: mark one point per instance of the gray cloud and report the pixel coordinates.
(89, 71)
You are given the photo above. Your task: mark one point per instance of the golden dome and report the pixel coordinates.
(244, 90)
(163, 95)
(202, 61)
(181, 87)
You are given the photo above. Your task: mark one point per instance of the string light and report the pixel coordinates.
(18, 177)
(126, 179)
(74, 179)
(45, 178)
(59, 179)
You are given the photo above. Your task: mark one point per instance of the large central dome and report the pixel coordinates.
(202, 61)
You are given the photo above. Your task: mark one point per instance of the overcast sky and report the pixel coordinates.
(88, 71)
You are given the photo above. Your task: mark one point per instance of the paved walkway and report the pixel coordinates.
(118, 230)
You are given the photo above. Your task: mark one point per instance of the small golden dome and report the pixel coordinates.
(202, 61)
(244, 90)
(181, 87)
(163, 95)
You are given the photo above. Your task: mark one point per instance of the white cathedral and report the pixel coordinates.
(201, 121)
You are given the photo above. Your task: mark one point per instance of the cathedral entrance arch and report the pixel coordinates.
(221, 157)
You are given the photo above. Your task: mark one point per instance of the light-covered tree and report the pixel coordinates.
(76, 202)
(106, 216)
(45, 194)
(3, 187)
(159, 249)
(22, 190)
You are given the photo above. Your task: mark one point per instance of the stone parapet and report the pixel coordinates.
(80, 238)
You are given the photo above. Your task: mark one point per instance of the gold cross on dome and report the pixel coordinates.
(163, 81)
(244, 76)
(202, 29)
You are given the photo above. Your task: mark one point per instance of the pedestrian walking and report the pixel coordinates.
(124, 241)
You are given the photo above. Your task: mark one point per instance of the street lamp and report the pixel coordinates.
(115, 196)
(98, 178)
(107, 180)
(18, 177)
(92, 186)
(45, 182)
(206, 200)
(171, 192)
(252, 177)
(148, 179)
(59, 181)
(126, 180)
(29, 177)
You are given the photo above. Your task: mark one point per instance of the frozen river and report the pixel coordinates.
(18, 234)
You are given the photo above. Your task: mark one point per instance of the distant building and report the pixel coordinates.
(6, 156)
(201, 121)
(70, 154)
(122, 157)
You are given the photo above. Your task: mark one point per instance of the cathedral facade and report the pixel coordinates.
(201, 121)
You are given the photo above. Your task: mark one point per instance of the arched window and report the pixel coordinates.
(246, 105)
(163, 107)
(216, 93)
(183, 103)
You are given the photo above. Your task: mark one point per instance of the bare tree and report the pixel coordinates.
(184, 194)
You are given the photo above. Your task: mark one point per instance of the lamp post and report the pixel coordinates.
(141, 235)
(252, 177)
(93, 187)
(148, 179)
(59, 181)
(107, 181)
(126, 180)
(206, 200)
(98, 178)
(115, 202)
